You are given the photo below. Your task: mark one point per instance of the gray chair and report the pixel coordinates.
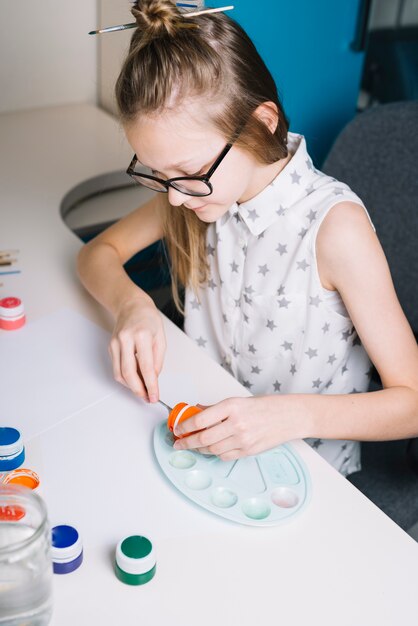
(377, 156)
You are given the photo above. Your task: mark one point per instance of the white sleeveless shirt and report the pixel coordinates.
(264, 314)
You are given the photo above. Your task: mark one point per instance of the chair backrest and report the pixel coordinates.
(377, 156)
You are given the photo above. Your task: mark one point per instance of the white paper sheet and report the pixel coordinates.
(50, 369)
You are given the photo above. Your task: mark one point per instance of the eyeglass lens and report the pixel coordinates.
(188, 186)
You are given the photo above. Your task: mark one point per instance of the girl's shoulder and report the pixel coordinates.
(346, 239)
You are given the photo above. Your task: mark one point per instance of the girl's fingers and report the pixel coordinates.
(208, 440)
(159, 353)
(114, 352)
(207, 418)
(145, 359)
(129, 370)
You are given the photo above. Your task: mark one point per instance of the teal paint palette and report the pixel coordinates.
(262, 490)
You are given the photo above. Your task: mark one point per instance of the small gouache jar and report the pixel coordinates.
(67, 549)
(12, 450)
(12, 313)
(181, 412)
(135, 562)
(23, 477)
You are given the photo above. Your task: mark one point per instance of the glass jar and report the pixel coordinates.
(25, 559)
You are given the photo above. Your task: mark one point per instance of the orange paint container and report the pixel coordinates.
(181, 412)
(23, 477)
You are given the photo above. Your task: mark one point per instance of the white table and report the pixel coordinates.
(341, 562)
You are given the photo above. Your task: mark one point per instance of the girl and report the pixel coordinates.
(286, 284)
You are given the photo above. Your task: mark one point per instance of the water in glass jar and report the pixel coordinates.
(25, 576)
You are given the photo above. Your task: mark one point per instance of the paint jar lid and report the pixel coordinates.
(11, 307)
(24, 477)
(66, 550)
(12, 451)
(135, 560)
(179, 413)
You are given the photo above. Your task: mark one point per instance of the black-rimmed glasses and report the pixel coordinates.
(189, 185)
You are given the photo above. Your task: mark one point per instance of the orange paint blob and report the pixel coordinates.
(23, 477)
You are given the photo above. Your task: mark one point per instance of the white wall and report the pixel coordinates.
(112, 48)
(46, 56)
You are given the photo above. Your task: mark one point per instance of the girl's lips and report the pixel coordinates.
(197, 208)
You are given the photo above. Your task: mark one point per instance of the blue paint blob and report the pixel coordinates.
(64, 536)
(8, 435)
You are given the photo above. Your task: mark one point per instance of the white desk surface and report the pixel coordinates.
(341, 562)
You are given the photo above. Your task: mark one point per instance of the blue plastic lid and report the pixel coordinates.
(12, 451)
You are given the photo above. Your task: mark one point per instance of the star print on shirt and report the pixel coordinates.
(282, 249)
(316, 383)
(211, 284)
(210, 250)
(195, 304)
(302, 265)
(277, 385)
(247, 299)
(270, 324)
(315, 301)
(201, 342)
(252, 214)
(283, 303)
(293, 369)
(325, 327)
(234, 350)
(234, 266)
(287, 345)
(309, 164)
(263, 269)
(302, 232)
(281, 211)
(344, 369)
(251, 348)
(295, 177)
(338, 192)
(280, 291)
(247, 384)
(249, 290)
(312, 215)
(311, 352)
(255, 369)
(331, 359)
(315, 444)
(345, 335)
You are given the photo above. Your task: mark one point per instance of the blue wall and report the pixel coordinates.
(306, 46)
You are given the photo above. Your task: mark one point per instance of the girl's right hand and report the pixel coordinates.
(137, 348)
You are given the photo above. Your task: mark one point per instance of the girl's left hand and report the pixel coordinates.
(239, 427)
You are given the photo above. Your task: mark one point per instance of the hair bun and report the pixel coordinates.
(156, 17)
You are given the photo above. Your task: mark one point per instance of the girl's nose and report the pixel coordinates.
(176, 198)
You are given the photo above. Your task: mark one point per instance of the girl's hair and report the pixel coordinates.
(173, 58)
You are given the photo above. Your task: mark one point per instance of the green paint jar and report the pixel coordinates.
(135, 562)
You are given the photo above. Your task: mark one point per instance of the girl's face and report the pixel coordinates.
(177, 143)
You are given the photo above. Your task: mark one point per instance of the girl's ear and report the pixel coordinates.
(268, 113)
